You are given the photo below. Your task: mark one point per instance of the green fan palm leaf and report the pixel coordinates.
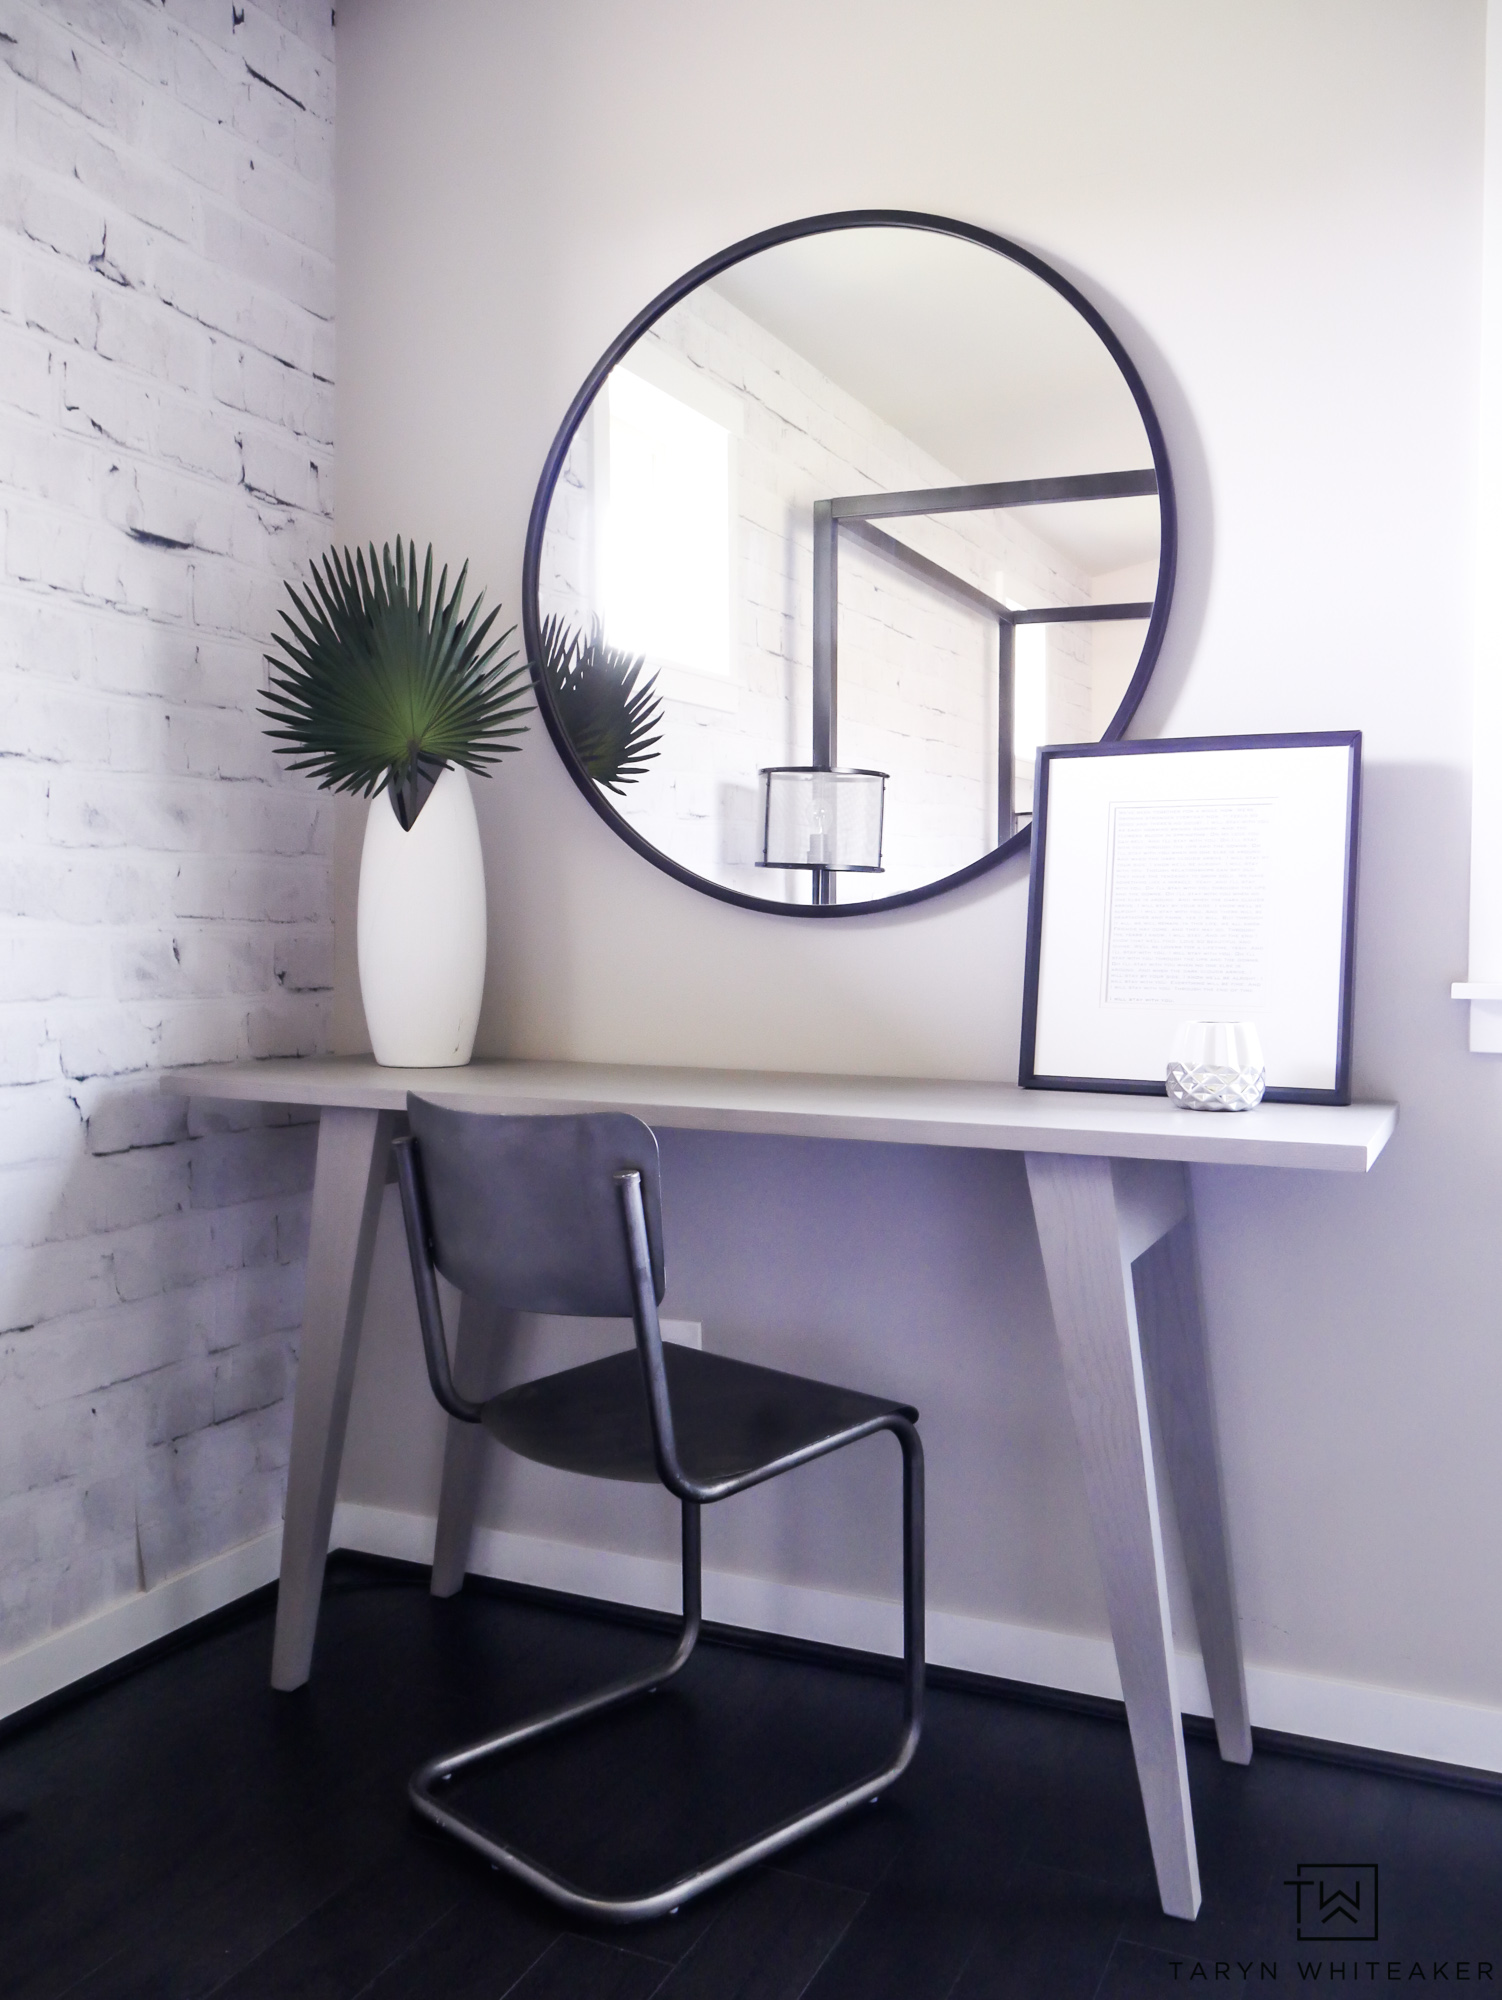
(379, 683)
(609, 711)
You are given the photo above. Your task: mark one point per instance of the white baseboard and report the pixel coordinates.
(82, 1649)
(1333, 1711)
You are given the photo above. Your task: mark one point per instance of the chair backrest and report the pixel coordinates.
(524, 1212)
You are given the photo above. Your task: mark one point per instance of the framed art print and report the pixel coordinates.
(1208, 878)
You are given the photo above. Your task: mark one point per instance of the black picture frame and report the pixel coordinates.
(723, 260)
(1028, 1075)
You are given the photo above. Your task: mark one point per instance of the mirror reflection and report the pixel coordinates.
(843, 536)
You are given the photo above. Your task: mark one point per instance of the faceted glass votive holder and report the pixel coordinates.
(1216, 1066)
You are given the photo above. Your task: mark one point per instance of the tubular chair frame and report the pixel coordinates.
(426, 1786)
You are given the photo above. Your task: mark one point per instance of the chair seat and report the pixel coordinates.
(730, 1417)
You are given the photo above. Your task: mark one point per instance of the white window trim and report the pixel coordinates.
(1483, 988)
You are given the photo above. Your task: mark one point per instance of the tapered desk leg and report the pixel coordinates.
(1168, 1302)
(481, 1333)
(1088, 1265)
(347, 1185)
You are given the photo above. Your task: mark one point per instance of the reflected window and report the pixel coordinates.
(1029, 709)
(665, 546)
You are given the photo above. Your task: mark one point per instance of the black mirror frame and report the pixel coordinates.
(766, 239)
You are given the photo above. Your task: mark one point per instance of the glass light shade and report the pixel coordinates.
(822, 819)
(1217, 1066)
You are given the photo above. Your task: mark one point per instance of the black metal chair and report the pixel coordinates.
(563, 1215)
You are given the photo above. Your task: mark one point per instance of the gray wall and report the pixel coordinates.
(1279, 208)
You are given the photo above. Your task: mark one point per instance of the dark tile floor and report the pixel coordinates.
(182, 1831)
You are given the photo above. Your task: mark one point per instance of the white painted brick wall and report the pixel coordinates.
(166, 441)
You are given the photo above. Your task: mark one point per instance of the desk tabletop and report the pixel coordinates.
(906, 1111)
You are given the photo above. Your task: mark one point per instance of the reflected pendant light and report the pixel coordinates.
(814, 818)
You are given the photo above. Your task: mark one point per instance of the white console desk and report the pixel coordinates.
(1111, 1199)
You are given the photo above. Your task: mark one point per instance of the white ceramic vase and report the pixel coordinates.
(421, 929)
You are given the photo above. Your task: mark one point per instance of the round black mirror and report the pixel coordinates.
(845, 524)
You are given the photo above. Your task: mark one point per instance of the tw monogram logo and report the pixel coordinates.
(1336, 1901)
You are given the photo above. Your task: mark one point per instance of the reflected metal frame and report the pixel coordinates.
(853, 515)
(873, 506)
